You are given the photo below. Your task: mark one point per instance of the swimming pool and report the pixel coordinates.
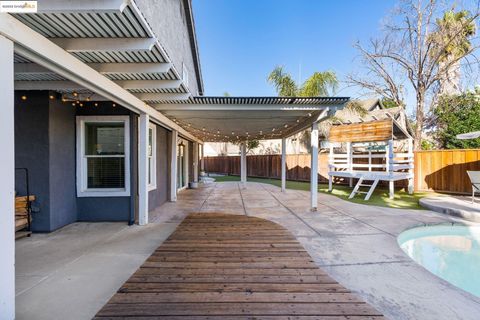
(451, 252)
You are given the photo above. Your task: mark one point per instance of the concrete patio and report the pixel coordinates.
(73, 272)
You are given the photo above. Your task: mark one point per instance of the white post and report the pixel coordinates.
(202, 160)
(314, 167)
(173, 165)
(389, 161)
(349, 162)
(330, 166)
(195, 162)
(284, 164)
(144, 121)
(243, 163)
(7, 183)
(411, 163)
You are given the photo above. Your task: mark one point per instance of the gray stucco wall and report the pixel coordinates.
(63, 205)
(168, 21)
(159, 196)
(32, 152)
(45, 144)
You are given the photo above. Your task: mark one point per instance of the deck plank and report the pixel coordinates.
(217, 266)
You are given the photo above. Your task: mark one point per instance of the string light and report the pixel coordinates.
(24, 98)
(96, 104)
(114, 105)
(52, 97)
(75, 93)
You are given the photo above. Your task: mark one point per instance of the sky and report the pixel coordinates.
(241, 41)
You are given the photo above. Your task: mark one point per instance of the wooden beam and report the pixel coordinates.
(380, 130)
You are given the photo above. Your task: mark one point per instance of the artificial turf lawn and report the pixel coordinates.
(402, 199)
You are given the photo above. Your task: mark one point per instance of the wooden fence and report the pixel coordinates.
(436, 170)
(445, 170)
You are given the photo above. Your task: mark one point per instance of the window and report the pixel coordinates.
(152, 156)
(103, 156)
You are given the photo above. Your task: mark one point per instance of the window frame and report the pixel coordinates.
(82, 158)
(152, 174)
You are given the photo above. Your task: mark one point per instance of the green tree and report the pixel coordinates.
(458, 114)
(416, 51)
(453, 41)
(318, 84)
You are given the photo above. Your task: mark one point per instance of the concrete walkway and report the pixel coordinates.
(356, 244)
(459, 206)
(73, 272)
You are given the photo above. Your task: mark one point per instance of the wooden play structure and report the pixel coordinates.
(371, 152)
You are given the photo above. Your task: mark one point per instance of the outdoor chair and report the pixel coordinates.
(475, 180)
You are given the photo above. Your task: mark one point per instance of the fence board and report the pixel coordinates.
(445, 170)
(435, 170)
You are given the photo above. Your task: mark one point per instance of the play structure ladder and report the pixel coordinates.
(361, 184)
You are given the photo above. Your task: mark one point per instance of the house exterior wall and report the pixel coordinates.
(63, 201)
(111, 208)
(160, 195)
(32, 152)
(45, 143)
(169, 23)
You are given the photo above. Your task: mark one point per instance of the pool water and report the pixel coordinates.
(448, 251)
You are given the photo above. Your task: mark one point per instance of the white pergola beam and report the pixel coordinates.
(7, 183)
(230, 107)
(284, 164)
(40, 50)
(47, 85)
(149, 84)
(106, 68)
(104, 44)
(70, 85)
(103, 68)
(144, 121)
(314, 167)
(162, 96)
(87, 6)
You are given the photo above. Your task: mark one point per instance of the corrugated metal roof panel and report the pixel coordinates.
(264, 100)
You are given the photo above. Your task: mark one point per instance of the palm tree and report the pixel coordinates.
(319, 84)
(452, 37)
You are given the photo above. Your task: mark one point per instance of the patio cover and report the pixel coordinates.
(236, 119)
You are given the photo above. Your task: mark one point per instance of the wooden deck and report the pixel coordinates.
(217, 266)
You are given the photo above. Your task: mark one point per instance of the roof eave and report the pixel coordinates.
(194, 44)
